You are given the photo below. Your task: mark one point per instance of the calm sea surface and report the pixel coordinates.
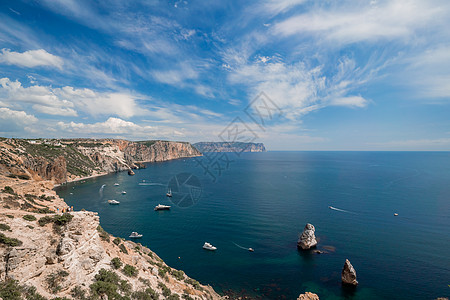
(263, 201)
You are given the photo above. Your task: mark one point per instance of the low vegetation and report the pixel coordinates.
(54, 279)
(103, 234)
(29, 218)
(130, 271)
(4, 227)
(116, 263)
(12, 242)
(8, 190)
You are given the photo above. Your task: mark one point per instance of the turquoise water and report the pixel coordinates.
(263, 201)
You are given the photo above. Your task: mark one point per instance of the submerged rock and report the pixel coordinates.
(308, 296)
(348, 274)
(307, 239)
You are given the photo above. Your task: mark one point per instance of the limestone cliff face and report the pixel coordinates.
(66, 160)
(158, 151)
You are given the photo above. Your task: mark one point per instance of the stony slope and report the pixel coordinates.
(69, 159)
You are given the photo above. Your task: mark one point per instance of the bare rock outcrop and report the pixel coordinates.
(308, 239)
(308, 296)
(348, 274)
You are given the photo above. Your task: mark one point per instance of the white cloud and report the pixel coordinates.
(31, 58)
(110, 126)
(12, 121)
(67, 100)
(347, 22)
(352, 101)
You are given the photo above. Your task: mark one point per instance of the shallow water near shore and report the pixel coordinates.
(263, 201)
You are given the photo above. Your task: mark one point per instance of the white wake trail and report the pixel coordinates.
(341, 210)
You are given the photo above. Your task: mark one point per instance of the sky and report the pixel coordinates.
(292, 74)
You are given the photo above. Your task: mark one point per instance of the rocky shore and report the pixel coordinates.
(45, 255)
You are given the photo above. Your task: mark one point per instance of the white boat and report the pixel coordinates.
(116, 184)
(113, 202)
(162, 207)
(251, 249)
(169, 193)
(135, 235)
(208, 246)
(123, 192)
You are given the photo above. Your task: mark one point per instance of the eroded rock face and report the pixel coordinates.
(307, 240)
(308, 296)
(348, 274)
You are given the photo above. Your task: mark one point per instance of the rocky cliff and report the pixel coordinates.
(229, 147)
(46, 254)
(69, 159)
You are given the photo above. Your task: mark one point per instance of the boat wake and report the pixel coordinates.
(341, 210)
(239, 246)
(100, 191)
(144, 183)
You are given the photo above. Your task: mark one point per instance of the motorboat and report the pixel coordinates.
(208, 246)
(113, 202)
(116, 184)
(396, 214)
(251, 250)
(162, 207)
(123, 192)
(169, 193)
(135, 235)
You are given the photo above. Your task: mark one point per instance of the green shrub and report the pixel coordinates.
(125, 287)
(45, 220)
(103, 234)
(123, 248)
(10, 289)
(147, 294)
(78, 293)
(9, 190)
(31, 227)
(116, 263)
(177, 274)
(63, 219)
(194, 283)
(187, 297)
(53, 280)
(44, 210)
(32, 294)
(106, 283)
(29, 218)
(10, 216)
(130, 271)
(12, 242)
(165, 290)
(4, 227)
(117, 241)
(173, 297)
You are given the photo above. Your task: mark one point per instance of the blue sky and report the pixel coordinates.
(342, 75)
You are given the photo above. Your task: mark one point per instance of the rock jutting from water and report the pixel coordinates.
(307, 240)
(348, 274)
(308, 296)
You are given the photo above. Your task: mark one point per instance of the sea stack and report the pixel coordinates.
(308, 296)
(307, 240)
(349, 274)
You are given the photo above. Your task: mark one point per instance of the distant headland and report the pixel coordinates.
(229, 147)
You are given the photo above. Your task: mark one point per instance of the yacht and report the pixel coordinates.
(135, 235)
(169, 193)
(162, 207)
(113, 202)
(208, 246)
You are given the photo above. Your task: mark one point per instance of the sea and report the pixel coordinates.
(237, 201)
